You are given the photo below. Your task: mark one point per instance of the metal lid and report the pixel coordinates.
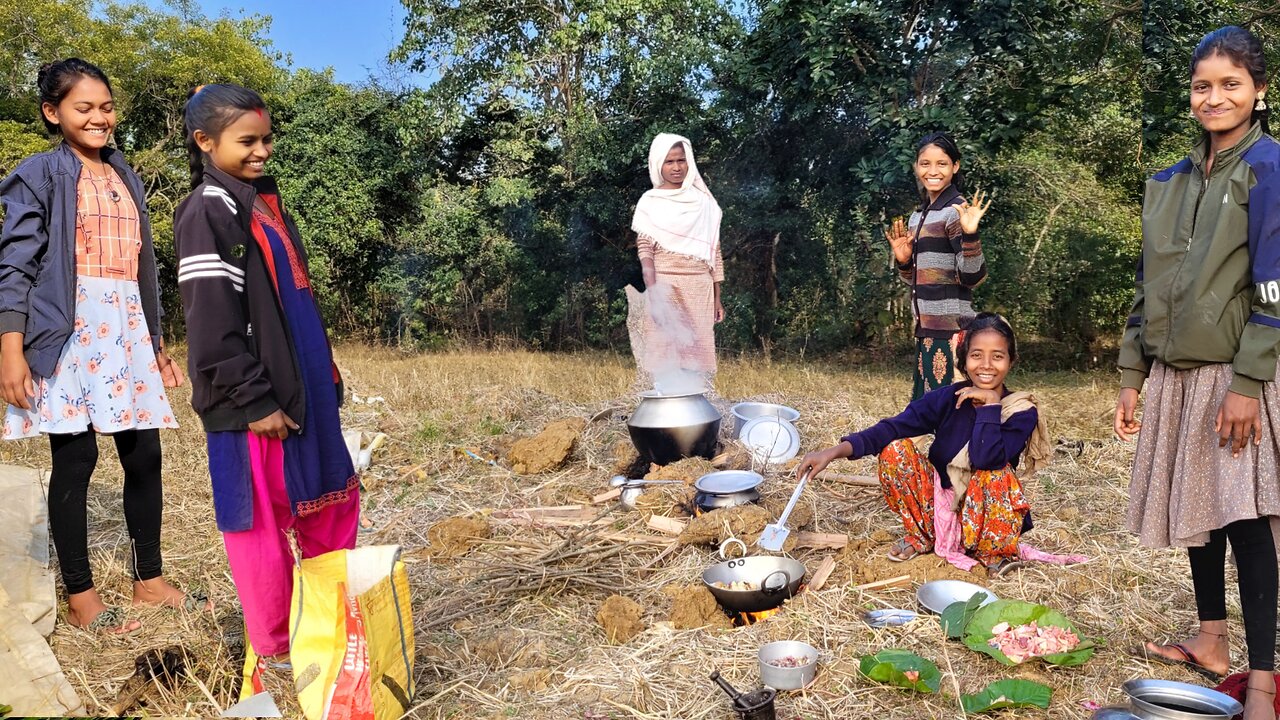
(728, 481)
(771, 439)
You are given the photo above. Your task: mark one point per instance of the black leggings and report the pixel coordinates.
(74, 458)
(1258, 578)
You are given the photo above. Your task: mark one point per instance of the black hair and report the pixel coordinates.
(210, 109)
(983, 322)
(54, 80)
(948, 146)
(1242, 48)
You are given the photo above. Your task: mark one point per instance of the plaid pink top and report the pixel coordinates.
(108, 228)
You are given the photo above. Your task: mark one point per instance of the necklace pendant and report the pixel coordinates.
(115, 196)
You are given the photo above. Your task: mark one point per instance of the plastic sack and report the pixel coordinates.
(351, 641)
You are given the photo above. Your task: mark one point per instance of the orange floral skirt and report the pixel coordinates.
(992, 516)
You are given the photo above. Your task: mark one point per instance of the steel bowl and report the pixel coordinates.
(776, 579)
(744, 412)
(666, 428)
(936, 595)
(787, 678)
(1171, 700)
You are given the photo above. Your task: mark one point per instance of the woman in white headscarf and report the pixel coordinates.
(678, 228)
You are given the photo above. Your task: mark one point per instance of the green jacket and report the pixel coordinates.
(1208, 280)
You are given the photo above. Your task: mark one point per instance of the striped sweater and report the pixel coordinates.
(945, 265)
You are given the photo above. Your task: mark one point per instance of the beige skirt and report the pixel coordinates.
(1184, 485)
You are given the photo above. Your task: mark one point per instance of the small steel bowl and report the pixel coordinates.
(936, 595)
(788, 678)
(744, 412)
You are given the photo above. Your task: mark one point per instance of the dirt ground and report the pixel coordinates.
(506, 604)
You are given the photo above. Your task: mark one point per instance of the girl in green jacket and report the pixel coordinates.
(1203, 337)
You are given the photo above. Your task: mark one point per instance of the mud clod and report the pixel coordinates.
(621, 618)
(548, 449)
(693, 606)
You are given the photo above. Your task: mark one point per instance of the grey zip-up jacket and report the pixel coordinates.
(38, 254)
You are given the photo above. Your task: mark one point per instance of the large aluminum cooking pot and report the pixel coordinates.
(665, 428)
(1168, 700)
(775, 579)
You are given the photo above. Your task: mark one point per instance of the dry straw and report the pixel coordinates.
(508, 630)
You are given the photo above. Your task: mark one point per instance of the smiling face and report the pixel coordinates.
(675, 167)
(934, 169)
(241, 150)
(85, 116)
(988, 360)
(1222, 96)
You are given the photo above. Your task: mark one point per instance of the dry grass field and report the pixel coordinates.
(508, 628)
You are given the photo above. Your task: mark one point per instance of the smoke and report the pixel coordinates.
(671, 338)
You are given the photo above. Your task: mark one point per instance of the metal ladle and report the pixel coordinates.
(632, 488)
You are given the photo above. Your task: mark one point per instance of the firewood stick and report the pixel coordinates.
(891, 582)
(859, 480)
(822, 573)
(613, 494)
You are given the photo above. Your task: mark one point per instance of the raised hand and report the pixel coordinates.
(899, 240)
(971, 214)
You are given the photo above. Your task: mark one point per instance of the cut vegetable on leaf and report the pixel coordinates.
(902, 669)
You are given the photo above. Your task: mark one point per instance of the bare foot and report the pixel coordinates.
(904, 550)
(85, 607)
(1260, 697)
(1210, 649)
(158, 592)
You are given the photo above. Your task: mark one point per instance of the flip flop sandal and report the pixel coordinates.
(1003, 567)
(276, 665)
(902, 546)
(111, 622)
(196, 600)
(1189, 661)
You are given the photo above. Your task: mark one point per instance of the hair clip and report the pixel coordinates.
(197, 90)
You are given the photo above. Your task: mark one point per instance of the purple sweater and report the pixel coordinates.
(992, 444)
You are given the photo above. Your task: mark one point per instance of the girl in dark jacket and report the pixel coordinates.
(262, 374)
(80, 348)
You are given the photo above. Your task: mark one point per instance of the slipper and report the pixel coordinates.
(277, 665)
(1189, 661)
(111, 622)
(902, 546)
(1003, 566)
(196, 600)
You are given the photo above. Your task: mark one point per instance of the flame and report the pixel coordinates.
(745, 619)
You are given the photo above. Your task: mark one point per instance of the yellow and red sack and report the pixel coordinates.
(351, 639)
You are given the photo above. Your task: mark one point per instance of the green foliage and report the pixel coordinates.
(892, 667)
(1006, 694)
(496, 203)
(1016, 613)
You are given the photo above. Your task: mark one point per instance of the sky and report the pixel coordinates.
(352, 37)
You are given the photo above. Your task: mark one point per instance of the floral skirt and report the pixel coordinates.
(992, 518)
(107, 378)
(935, 364)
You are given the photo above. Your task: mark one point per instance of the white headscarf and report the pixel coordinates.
(685, 220)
